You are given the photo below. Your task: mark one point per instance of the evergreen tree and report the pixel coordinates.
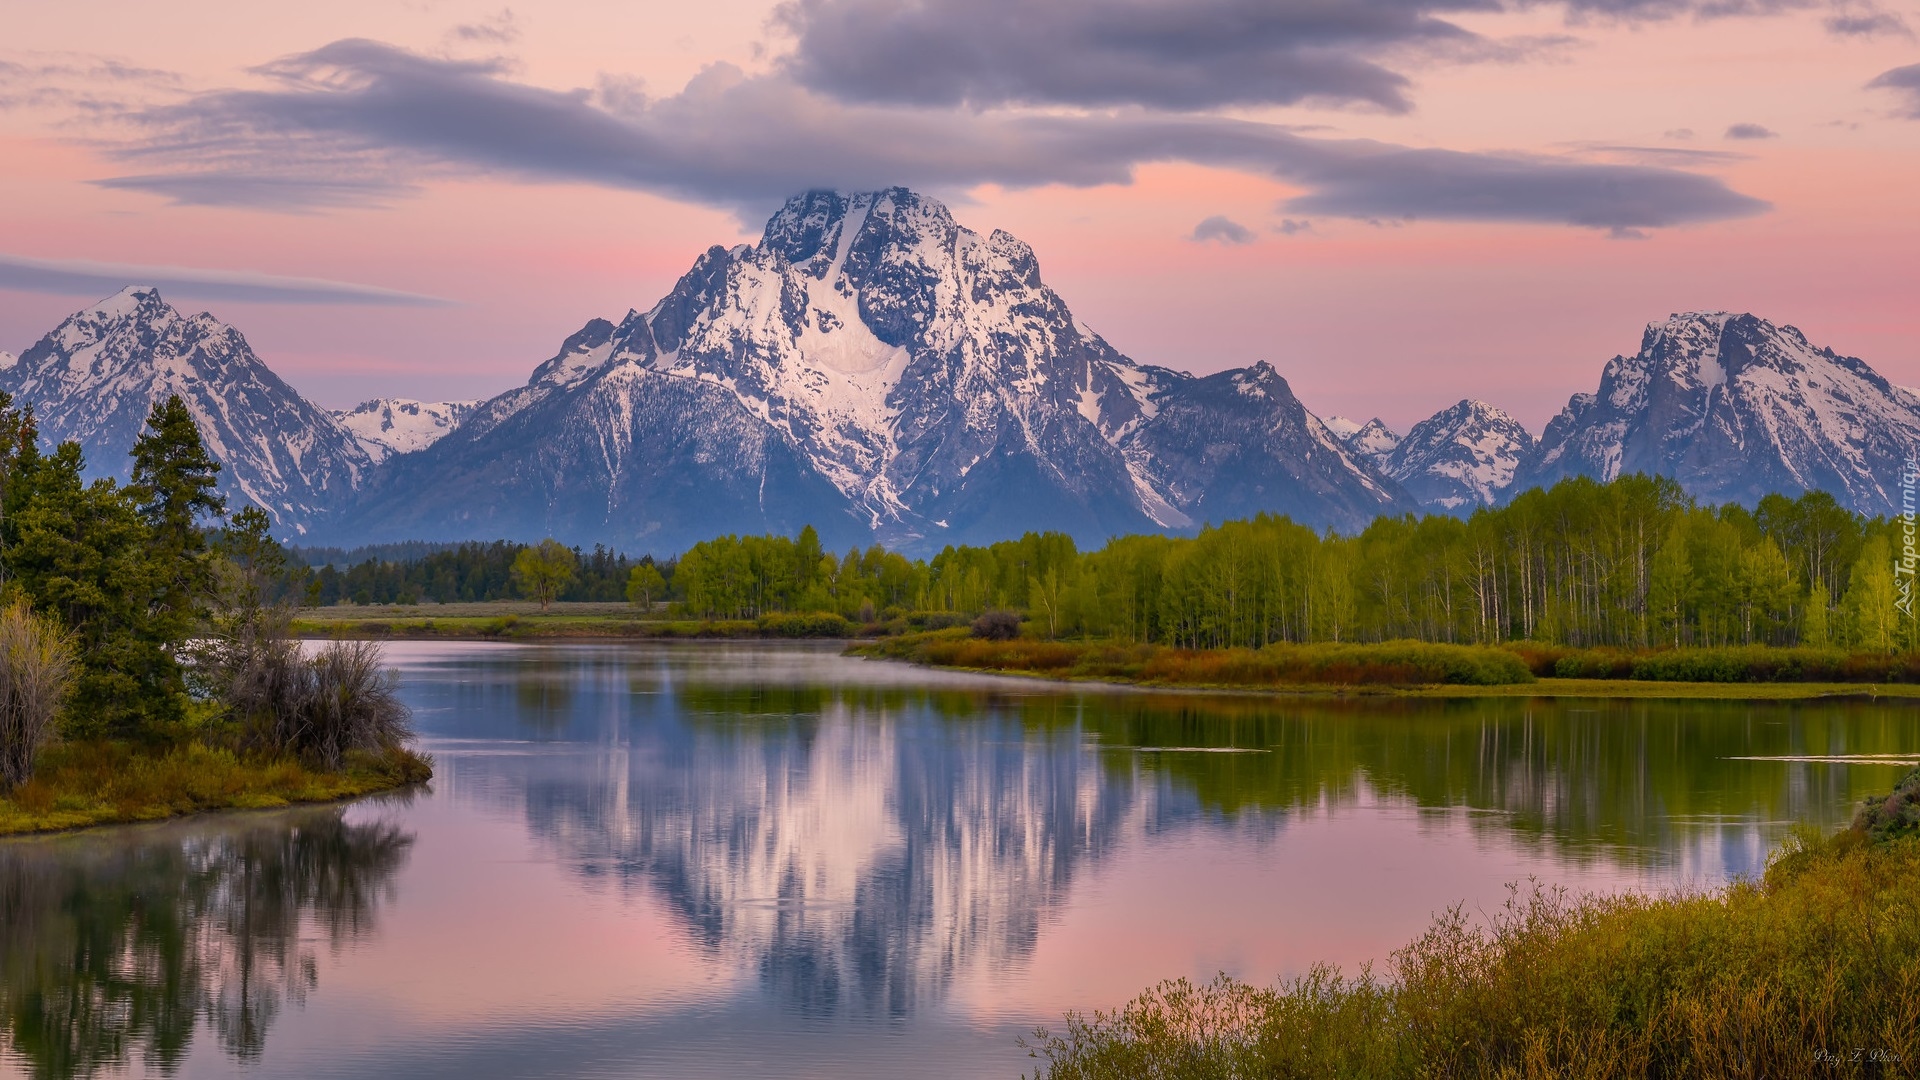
(174, 483)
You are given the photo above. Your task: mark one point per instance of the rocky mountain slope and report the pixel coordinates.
(874, 369)
(1735, 407)
(388, 426)
(94, 379)
(1460, 457)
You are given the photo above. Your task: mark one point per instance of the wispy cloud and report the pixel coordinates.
(1905, 82)
(72, 277)
(1750, 131)
(357, 121)
(1221, 229)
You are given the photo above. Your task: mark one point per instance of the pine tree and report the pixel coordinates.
(174, 483)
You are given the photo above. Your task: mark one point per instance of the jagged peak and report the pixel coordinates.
(132, 300)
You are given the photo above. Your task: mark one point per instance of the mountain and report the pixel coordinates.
(387, 426)
(1461, 457)
(1735, 407)
(874, 369)
(94, 379)
(1372, 442)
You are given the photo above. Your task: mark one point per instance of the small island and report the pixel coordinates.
(144, 670)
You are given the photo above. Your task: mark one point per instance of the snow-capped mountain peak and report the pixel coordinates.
(95, 378)
(1735, 407)
(1372, 441)
(387, 426)
(1461, 457)
(875, 368)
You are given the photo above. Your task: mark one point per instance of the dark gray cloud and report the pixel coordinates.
(1173, 54)
(1905, 82)
(356, 121)
(1166, 54)
(71, 277)
(1221, 229)
(1750, 131)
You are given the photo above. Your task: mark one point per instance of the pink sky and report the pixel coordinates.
(1396, 319)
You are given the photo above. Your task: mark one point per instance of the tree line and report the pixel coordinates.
(1631, 563)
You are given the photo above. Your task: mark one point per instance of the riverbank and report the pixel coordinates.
(1812, 970)
(509, 621)
(77, 785)
(1402, 669)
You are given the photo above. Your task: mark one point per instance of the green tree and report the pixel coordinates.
(644, 583)
(543, 570)
(1813, 625)
(85, 553)
(175, 485)
(1868, 604)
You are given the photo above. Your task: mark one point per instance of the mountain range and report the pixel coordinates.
(874, 369)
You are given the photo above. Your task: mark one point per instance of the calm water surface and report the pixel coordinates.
(740, 860)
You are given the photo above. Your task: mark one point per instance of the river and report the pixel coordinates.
(731, 860)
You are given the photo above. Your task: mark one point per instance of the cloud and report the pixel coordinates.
(501, 29)
(1750, 131)
(1166, 54)
(358, 121)
(80, 83)
(1172, 54)
(1904, 81)
(1290, 227)
(1222, 229)
(1681, 134)
(72, 277)
(1867, 24)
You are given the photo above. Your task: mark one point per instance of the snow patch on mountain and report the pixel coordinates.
(1461, 457)
(1735, 407)
(387, 426)
(1372, 441)
(95, 378)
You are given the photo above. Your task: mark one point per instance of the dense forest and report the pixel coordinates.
(446, 574)
(1633, 563)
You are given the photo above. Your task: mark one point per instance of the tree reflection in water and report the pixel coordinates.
(115, 947)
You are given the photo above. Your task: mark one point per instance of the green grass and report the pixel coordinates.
(524, 621)
(101, 783)
(1406, 668)
(1788, 976)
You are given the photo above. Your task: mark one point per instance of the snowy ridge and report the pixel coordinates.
(1372, 441)
(1735, 407)
(1462, 457)
(387, 426)
(95, 378)
(918, 372)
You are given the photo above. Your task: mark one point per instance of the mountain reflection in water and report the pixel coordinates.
(752, 859)
(117, 946)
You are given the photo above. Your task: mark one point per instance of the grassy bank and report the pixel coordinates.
(508, 621)
(1812, 971)
(1424, 669)
(104, 783)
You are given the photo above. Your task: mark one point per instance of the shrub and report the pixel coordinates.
(1775, 978)
(1896, 815)
(997, 625)
(813, 624)
(38, 665)
(321, 707)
